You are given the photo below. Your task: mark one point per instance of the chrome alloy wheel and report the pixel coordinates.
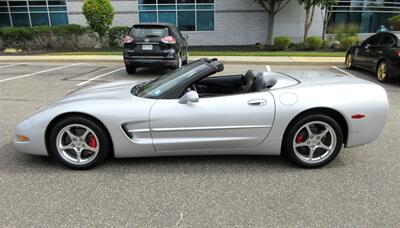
(77, 144)
(349, 61)
(314, 142)
(382, 71)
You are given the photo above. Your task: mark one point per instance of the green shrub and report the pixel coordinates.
(326, 44)
(116, 34)
(314, 42)
(99, 15)
(347, 42)
(344, 30)
(19, 34)
(282, 42)
(297, 46)
(42, 37)
(395, 23)
(66, 30)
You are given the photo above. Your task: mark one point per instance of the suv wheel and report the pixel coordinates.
(130, 69)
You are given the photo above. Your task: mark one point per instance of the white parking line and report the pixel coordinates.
(268, 68)
(97, 77)
(11, 65)
(40, 72)
(343, 71)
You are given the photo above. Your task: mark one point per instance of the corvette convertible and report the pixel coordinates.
(307, 117)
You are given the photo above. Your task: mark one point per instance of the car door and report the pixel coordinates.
(365, 53)
(236, 121)
(387, 42)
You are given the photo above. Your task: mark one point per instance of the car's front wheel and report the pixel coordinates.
(79, 142)
(382, 73)
(313, 141)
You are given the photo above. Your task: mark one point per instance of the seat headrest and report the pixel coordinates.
(259, 83)
(250, 74)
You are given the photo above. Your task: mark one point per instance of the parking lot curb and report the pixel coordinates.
(272, 60)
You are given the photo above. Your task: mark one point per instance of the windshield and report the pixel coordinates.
(149, 32)
(159, 87)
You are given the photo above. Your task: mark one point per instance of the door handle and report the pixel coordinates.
(257, 102)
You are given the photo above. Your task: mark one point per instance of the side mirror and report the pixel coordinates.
(186, 36)
(191, 97)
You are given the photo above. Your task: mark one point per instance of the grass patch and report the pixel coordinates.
(224, 53)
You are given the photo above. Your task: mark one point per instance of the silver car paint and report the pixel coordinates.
(219, 125)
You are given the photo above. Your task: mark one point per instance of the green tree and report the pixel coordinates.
(272, 7)
(326, 10)
(395, 23)
(99, 15)
(309, 7)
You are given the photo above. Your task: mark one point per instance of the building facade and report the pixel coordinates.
(207, 22)
(367, 14)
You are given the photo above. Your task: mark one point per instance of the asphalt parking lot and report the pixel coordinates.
(361, 188)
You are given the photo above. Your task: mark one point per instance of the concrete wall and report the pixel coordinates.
(237, 22)
(290, 22)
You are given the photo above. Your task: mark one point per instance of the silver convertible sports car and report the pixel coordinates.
(307, 117)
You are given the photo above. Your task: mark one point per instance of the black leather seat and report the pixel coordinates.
(259, 84)
(247, 82)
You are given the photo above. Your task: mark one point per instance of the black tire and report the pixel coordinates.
(179, 63)
(349, 61)
(104, 141)
(186, 61)
(383, 74)
(130, 69)
(297, 125)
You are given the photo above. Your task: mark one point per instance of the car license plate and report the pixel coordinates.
(147, 47)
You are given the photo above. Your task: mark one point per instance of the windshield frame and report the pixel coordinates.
(172, 85)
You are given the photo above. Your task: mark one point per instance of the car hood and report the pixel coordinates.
(112, 90)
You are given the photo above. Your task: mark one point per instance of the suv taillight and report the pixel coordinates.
(397, 53)
(128, 39)
(169, 40)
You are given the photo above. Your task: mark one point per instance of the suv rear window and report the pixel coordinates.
(149, 32)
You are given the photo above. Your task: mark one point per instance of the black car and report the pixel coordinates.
(151, 44)
(379, 53)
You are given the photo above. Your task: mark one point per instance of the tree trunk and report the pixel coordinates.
(307, 25)
(270, 30)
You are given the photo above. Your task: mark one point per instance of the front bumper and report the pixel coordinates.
(36, 143)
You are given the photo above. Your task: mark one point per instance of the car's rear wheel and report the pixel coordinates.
(130, 69)
(313, 141)
(178, 63)
(382, 72)
(349, 61)
(79, 142)
(186, 61)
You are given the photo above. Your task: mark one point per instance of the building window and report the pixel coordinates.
(33, 12)
(367, 14)
(187, 15)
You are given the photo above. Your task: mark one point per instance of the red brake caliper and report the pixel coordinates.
(92, 142)
(299, 139)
